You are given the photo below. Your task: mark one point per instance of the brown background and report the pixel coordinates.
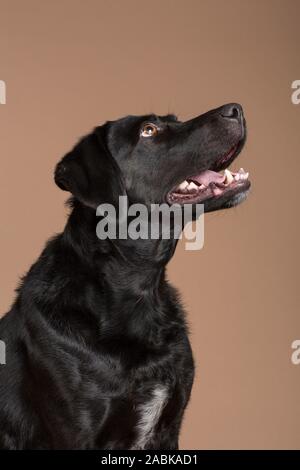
(70, 65)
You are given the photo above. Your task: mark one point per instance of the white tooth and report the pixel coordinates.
(192, 186)
(202, 186)
(242, 171)
(228, 177)
(183, 185)
(243, 176)
(237, 177)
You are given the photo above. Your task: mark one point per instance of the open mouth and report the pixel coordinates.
(211, 184)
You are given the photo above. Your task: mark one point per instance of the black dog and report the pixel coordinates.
(97, 350)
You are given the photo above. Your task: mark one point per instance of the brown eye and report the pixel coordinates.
(149, 130)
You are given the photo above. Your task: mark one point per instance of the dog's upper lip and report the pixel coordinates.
(226, 159)
(212, 175)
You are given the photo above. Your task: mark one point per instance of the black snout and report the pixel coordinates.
(232, 111)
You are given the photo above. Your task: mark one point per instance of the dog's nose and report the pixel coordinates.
(232, 111)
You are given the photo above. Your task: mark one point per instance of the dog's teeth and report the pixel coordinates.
(202, 186)
(242, 171)
(243, 176)
(228, 177)
(237, 177)
(192, 186)
(183, 185)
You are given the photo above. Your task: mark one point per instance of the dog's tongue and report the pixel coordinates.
(207, 177)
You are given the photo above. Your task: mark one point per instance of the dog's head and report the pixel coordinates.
(155, 159)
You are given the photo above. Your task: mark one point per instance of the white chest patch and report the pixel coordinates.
(149, 414)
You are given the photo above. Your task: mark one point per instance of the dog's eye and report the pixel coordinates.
(149, 130)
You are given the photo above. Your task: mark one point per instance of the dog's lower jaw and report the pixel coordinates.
(237, 199)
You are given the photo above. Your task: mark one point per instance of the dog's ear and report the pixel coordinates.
(90, 172)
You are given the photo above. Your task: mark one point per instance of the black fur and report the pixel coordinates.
(96, 326)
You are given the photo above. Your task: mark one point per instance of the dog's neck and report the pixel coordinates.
(135, 267)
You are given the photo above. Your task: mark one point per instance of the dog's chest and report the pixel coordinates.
(149, 413)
